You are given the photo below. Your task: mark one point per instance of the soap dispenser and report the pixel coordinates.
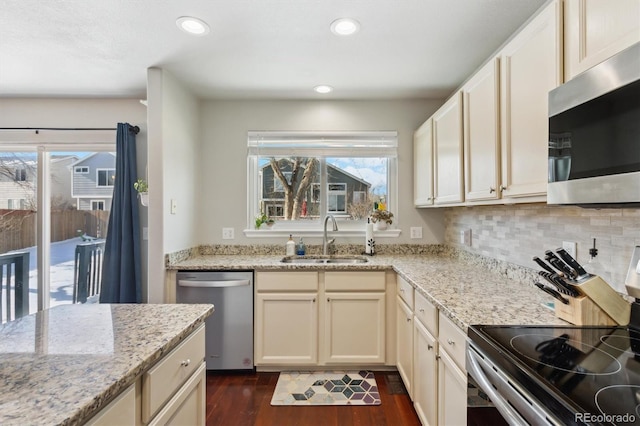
(301, 248)
(291, 246)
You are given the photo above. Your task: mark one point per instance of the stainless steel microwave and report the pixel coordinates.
(594, 135)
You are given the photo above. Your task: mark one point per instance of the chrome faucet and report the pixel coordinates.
(325, 243)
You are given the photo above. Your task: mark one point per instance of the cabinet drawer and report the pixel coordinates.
(354, 281)
(287, 281)
(426, 313)
(405, 291)
(165, 378)
(453, 340)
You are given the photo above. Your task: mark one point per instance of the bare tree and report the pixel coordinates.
(302, 171)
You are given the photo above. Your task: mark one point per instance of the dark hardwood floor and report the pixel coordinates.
(244, 399)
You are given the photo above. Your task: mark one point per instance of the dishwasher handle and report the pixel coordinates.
(213, 284)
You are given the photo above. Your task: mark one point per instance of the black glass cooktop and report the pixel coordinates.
(584, 375)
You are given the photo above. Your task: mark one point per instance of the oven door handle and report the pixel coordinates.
(509, 414)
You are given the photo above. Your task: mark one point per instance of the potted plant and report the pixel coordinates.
(142, 187)
(381, 218)
(263, 218)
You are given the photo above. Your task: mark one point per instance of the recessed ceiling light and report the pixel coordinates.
(323, 88)
(192, 25)
(345, 26)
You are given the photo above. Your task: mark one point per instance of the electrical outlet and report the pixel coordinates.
(228, 234)
(416, 232)
(174, 206)
(571, 248)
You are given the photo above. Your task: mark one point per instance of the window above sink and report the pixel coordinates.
(297, 178)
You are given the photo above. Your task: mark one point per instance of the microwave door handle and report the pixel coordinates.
(510, 415)
(213, 284)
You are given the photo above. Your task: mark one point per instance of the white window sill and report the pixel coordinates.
(269, 233)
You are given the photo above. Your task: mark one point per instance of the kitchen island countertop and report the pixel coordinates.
(60, 366)
(468, 290)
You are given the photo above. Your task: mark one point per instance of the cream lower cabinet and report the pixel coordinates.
(431, 356)
(286, 318)
(595, 30)
(320, 318)
(172, 392)
(404, 334)
(354, 328)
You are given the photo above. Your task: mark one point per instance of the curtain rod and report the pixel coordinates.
(134, 129)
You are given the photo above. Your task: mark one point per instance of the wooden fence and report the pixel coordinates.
(18, 227)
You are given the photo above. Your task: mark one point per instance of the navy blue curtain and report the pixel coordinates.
(121, 282)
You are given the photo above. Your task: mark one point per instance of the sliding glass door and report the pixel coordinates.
(54, 213)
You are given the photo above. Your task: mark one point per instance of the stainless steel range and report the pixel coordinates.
(574, 375)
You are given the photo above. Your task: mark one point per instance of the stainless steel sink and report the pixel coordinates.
(325, 260)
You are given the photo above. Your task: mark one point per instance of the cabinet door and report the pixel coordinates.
(481, 134)
(124, 410)
(425, 375)
(452, 392)
(596, 30)
(188, 405)
(354, 329)
(530, 66)
(404, 336)
(423, 165)
(286, 328)
(447, 151)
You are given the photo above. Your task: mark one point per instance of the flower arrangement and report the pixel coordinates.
(382, 216)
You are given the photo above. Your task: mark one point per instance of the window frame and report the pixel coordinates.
(322, 145)
(81, 170)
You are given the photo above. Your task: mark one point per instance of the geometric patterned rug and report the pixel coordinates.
(326, 388)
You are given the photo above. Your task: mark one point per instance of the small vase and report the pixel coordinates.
(144, 198)
(380, 225)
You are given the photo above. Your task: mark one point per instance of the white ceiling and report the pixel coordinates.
(258, 49)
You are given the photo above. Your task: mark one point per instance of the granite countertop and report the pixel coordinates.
(469, 290)
(60, 366)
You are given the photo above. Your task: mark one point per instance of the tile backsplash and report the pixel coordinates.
(517, 233)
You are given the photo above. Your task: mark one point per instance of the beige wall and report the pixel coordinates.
(174, 139)
(518, 233)
(223, 199)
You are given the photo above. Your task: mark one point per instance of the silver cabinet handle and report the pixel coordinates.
(503, 188)
(491, 190)
(421, 310)
(438, 357)
(429, 347)
(185, 363)
(451, 342)
(408, 319)
(314, 300)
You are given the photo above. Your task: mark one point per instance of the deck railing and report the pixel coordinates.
(14, 285)
(87, 275)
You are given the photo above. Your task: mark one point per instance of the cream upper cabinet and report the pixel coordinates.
(447, 152)
(530, 66)
(595, 30)
(482, 133)
(423, 165)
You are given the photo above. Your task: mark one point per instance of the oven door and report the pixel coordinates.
(512, 401)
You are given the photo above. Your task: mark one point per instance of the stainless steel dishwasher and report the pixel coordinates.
(229, 330)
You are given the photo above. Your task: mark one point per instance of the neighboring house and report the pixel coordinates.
(61, 182)
(343, 189)
(18, 182)
(92, 180)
